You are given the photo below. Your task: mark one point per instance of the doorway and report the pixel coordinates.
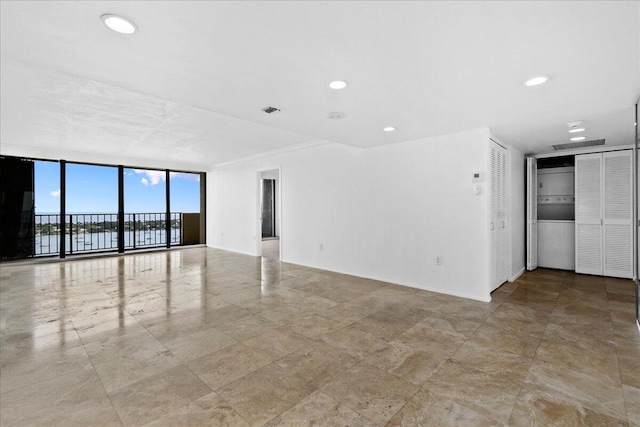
(268, 208)
(269, 214)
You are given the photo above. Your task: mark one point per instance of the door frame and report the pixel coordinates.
(258, 209)
(270, 185)
(636, 212)
(531, 235)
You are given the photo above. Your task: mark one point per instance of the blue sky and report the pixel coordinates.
(94, 189)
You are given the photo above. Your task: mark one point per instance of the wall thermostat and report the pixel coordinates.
(477, 177)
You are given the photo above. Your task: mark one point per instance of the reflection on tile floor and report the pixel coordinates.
(206, 337)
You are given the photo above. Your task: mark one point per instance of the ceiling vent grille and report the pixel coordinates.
(270, 110)
(580, 144)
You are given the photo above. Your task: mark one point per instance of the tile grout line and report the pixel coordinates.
(213, 391)
(531, 363)
(95, 372)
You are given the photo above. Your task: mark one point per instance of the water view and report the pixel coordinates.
(84, 242)
(96, 232)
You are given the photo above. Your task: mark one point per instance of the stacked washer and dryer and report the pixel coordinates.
(556, 216)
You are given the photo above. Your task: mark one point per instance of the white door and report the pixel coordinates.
(532, 213)
(498, 216)
(617, 214)
(503, 236)
(604, 225)
(588, 186)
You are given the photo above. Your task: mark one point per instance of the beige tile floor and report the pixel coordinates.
(206, 337)
(271, 247)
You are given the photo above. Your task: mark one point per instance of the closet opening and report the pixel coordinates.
(556, 212)
(579, 213)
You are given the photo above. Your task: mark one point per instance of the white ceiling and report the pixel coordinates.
(191, 83)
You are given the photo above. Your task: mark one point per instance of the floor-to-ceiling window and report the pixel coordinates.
(145, 203)
(185, 200)
(59, 208)
(91, 208)
(47, 207)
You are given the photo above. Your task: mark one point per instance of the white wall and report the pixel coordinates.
(383, 213)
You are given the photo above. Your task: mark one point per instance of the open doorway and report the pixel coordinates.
(269, 208)
(269, 219)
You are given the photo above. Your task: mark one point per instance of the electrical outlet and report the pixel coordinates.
(439, 260)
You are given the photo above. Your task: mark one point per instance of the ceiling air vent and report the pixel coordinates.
(580, 144)
(270, 110)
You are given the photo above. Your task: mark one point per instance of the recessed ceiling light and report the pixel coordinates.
(535, 81)
(338, 84)
(576, 130)
(389, 129)
(335, 115)
(578, 138)
(118, 24)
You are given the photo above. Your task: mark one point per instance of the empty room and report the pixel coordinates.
(328, 213)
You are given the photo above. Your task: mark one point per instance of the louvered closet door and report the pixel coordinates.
(617, 215)
(498, 215)
(502, 269)
(493, 214)
(588, 186)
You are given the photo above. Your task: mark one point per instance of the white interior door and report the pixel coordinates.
(588, 176)
(503, 240)
(532, 213)
(498, 217)
(617, 214)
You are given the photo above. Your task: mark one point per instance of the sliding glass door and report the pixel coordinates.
(91, 208)
(61, 208)
(145, 203)
(47, 207)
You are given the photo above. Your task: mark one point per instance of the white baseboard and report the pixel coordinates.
(409, 285)
(232, 250)
(518, 274)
